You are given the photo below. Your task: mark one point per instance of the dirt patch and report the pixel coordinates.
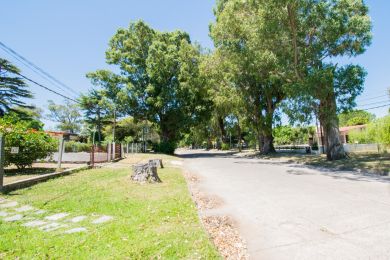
(221, 229)
(204, 202)
(225, 237)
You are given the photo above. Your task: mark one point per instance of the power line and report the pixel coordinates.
(46, 74)
(387, 105)
(365, 99)
(375, 103)
(49, 89)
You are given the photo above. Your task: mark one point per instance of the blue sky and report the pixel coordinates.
(69, 38)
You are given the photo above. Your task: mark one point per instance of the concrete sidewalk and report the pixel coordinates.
(288, 211)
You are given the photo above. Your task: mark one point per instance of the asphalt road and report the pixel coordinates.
(287, 211)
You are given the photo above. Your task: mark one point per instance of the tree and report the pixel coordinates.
(31, 115)
(247, 34)
(96, 110)
(355, 117)
(320, 31)
(111, 91)
(67, 116)
(12, 88)
(162, 78)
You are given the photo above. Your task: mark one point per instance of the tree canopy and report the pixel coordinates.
(13, 90)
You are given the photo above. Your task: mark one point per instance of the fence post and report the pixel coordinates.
(109, 152)
(113, 150)
(2, 157)
(93, 156)
(61, 149)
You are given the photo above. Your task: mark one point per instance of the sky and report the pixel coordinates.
(69, 38)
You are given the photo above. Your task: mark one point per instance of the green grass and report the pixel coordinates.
(372, 162)
(150, 221)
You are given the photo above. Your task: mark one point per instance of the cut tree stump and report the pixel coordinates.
(156, 162)
(146, 172)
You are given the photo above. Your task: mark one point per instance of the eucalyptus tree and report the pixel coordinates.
(12, 88)
(320, 32)
(248, 34)
(161, 73)
(67, 116)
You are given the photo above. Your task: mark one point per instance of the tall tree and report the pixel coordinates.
(96, 110)
(249, 36)
(111, 89)
(162, 76)
(67, 116)
(320, 31)
(12, 88)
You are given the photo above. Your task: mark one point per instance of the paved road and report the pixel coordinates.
(287, 211)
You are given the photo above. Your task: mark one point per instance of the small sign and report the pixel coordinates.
(14, 150)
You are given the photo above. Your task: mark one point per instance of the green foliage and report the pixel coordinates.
(12, 88)
(160, 70)
(77, 147)
(67, 116)
(355, 117)
(225, 147)
(96, 111)
(377, 131)
(288, 135)
(165, 147)
(33, 145)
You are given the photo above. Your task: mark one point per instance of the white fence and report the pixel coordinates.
(353, 148)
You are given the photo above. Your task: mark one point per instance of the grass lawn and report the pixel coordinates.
(373, 162)
(149, 221)
(13, 174)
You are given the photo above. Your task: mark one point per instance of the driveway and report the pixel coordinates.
(288, 211)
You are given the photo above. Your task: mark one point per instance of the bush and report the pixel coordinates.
(33, 145)
(165, 147)
(77, 147)
(376, 132)
(225, 147)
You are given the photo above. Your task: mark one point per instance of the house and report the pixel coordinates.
(344, 132)
(61, 134)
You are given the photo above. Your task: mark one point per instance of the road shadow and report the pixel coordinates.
(299, 169)
(207, 155)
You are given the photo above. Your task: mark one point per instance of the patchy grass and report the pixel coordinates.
(13, 174)
(151, 221)
(369, 162)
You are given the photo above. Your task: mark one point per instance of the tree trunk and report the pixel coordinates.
(221, 125)
(329, 121)
(268, 144)
(239, 135)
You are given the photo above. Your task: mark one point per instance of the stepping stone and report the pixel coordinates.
(13, 218)
(102, 219)
(24, 208)
(34, 223)
(57, 216)
(10, 204)
(39, 212)
(52, 226)
(3, 214)
(76, 230)
(78, 219)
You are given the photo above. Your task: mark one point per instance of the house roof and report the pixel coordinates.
(349, 128)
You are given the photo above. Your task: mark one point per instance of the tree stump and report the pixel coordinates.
(146, 172)
(156, 163)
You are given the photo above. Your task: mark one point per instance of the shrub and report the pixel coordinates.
(77, 147)
(225, 147)
(376, 132)
(165, 147)
(33, 145)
